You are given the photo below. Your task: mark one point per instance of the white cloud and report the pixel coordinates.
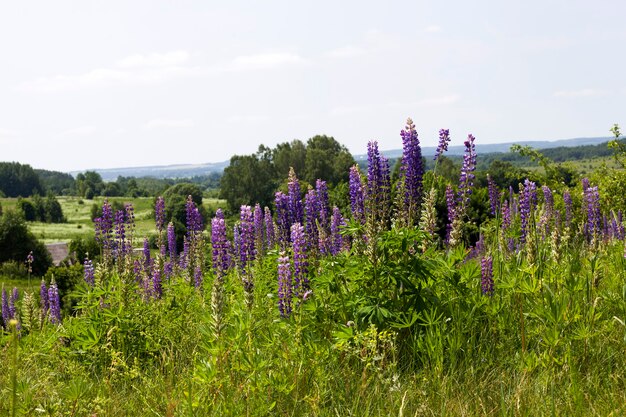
(168, 59)
(247, 119)
(168, 123)
(585, 92)
(265, 61)
(78, 131)
(432, 29)
(9, 133)
(346, 52)
(156, 68)
(430, 101)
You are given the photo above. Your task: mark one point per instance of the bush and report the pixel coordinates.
(16, 242)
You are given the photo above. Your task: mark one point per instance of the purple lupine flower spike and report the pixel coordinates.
(569, 212)
(89, 272)
(466, 180)
(146, 253)
(311, 213)
(411, 173)
(442, 146)
(55, 303)
(494, 195)
(336, 224)
(506, 215)
(592, 201)
(300, 261)
(528, 200)
(259, 229)
(221, 245)
(282, 218)
(356, 195)
(284, 285)
(159, 213)
(486, 269)
(171, 241)
(296, 210)
(6, 314)
(270, 234)
(197, 277)
(323, 206)
(157, 286)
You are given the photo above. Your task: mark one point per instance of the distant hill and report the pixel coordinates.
(191, 170)
(497, 147)
(160, 171)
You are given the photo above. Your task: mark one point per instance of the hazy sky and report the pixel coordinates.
(97, 84)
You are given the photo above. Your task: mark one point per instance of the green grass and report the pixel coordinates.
(79, 217)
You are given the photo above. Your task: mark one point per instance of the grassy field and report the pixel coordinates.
(77, 211)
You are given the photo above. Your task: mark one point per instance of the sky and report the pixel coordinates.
(103, 84)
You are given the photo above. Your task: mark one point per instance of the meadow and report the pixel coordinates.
(389, 308)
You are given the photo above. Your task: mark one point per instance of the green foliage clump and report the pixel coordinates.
(16, 242)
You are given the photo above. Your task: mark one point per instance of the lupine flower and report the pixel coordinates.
(585, 183)
(548, 209)
(466, 180)
(104, 228)
(378, 189)
(159, 213)
(567, 199)
(442, 146)
(137, 271)
(592, 200)
(282, 218)
(428, 218)
(486, 272)
(322, 203)
(296, 212)
(494, 195)
(411, 173)
(259, 230)
(197, 277)
(171, 241)
(29, 261)
(120, 234)
(270, 234)
(300, 261)
(157, 287)
(221, 245)
(55, 303)
(146, 253)
(506, 215)
(6, 313)
(356, 195)
(528, 200)
(89, 272)
(311, 218)
(168, 269)
(336, 224)
(183, 260)
(245, 244)
(451, 206)
(284, 285)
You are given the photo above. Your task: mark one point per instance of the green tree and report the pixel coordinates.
(19, 180)
(248, 180)
(54, 212)
(16, 242)
(326, 159)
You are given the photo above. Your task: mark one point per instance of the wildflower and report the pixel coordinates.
(486, 272)
(336, 224)
(296, 212)
(493, 195)
(259, 230)
(171, 241)
(411, 173)
(567, 199)
(89, 272)
(284, 285)
(356, 195)
(528, 200)
(300, 261)
(592, 201)
(159, 213)
(55, 303)
(270, 234)
(282, 218)
(29, 261)
(442, 146)
(221, 245)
